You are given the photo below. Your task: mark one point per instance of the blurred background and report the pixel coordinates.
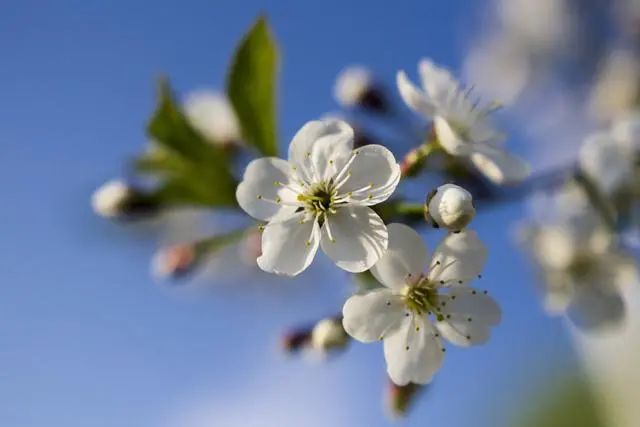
(88, 337)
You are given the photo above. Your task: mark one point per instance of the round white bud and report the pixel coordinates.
(450, 207)
(352, 84)
(328, 334)
(108, 199)
(212, 115)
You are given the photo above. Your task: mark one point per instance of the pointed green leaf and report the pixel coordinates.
(251, 87)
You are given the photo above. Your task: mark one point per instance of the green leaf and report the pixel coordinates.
(185, 161)
(251, 87)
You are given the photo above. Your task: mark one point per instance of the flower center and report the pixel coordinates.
(320, 199)
(421, 298)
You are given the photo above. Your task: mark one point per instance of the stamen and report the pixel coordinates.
(346, 166)
(287, 186)
(342, 181)
(278, 201)
(326, 227)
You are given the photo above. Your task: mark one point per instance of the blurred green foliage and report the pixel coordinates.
(191, 170)
(569, 404)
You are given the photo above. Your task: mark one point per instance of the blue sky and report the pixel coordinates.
(86, 336)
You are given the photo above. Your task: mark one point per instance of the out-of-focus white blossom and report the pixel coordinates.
(626, 131)
(118, 200)
(450, 207)
(415, 309)
(582, 267)
(617, 86)
(211, 113)
(463, 129)
(499, 67)
(108, 199)
(328, 334)
(352, 85)
(608, 163)
(541, 25)
(320, 197)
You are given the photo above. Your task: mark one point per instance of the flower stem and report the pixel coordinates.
(415, 160)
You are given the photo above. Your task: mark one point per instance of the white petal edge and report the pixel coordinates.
(413, 352)
(257, 191)
(450, 139)
(331, 152)
(288, 247)
(438, 82)
(415, 98)
(458, 259)
(405, 258)
(499, 166)
(469, 315)
(375, 174)
(360, 238)
(301, 146)
(372, 316)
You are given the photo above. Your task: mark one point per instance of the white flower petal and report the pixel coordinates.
(374, 176)
(458, 259)
(557, 292)
(212, 115)
(468, 316)
(301, 147)
(606, 162)
(413, 353)
(258, 192)
(359, 238)
(372, 316)
(450, 139)
(498, 165)
(627, 131)
(288, 247)
(438, 82)
(596, 305)
(331, 152)
(415, 98)
(406, 255)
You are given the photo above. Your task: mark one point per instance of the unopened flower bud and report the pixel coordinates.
(212, 115)
(328, 334)
(449, 206)
(355, 86)
(175, 261)
(116, 200)
(400, 398)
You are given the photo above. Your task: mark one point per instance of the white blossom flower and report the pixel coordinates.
(118, 200)
(616, 86)
(415, 309)
(626, 131)
(463, 129)
(540, 25)
(328, 334)
(320, 197)
(607, 163)
(352, 85)
(107, 200)
(450, 207)
(582, 267)
(212, 115)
